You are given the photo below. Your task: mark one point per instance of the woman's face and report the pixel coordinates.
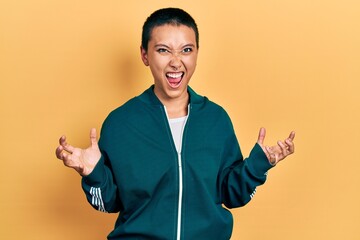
(171, 55)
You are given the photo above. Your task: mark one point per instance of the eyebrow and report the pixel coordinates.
(164, 45)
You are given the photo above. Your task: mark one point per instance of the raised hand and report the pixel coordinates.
(82, 160)
(277, 152)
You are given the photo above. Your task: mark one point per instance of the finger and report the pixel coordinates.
(292, 135)
(58, 152)
(68, 160)
(62, 140)
(284, 148)
(80, 169)
(93, 137)
(67, 147)
(261, 136)
(272, 156)
(290, 144)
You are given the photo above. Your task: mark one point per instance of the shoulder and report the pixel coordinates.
(208, 110)
(211, 107)
(204, 103)
(129, 115)
(124, 111)
(216, 107)
(219, 113)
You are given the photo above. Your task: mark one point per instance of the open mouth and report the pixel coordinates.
(174, 78)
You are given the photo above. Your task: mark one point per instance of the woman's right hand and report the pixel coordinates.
(82, 160)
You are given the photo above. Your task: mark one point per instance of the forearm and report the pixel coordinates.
(100, 189)
(242, 178)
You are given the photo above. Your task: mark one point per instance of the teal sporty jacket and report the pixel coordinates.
(161, 194)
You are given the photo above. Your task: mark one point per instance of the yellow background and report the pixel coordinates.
(285, 65)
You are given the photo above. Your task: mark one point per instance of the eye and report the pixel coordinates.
(162, 50)
(187, 50)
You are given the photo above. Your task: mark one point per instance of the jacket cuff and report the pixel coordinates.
(97, 176)
(259, 163)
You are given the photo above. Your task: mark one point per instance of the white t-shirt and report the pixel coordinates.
(177, 126)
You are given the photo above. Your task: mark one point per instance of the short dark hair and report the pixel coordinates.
(174, 16)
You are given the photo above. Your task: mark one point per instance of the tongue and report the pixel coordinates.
(174, 81)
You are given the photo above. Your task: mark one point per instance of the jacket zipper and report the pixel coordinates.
(178, 232)
(180, 172)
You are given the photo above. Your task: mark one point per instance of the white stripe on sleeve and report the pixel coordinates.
(97, 200)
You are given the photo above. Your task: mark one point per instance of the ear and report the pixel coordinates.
(144, 56)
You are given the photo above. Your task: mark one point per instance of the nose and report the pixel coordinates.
(175, 61)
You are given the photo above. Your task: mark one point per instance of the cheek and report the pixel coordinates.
(190, 64)
(160, 63)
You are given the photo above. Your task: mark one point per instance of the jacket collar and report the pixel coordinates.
(149, 97)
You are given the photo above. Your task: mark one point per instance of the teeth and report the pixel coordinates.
(174, 75)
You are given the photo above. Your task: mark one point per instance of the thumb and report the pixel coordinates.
(80, 169)
(93, 137)
(261, 137)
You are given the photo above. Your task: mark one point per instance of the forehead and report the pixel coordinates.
(171, 34)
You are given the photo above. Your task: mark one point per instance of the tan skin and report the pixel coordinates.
(171, 50)
(171, 55)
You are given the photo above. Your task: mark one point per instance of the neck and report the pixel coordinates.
(177, 107)
(176, 112)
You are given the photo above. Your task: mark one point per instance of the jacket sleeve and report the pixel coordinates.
(100, 189)
(239, 178)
